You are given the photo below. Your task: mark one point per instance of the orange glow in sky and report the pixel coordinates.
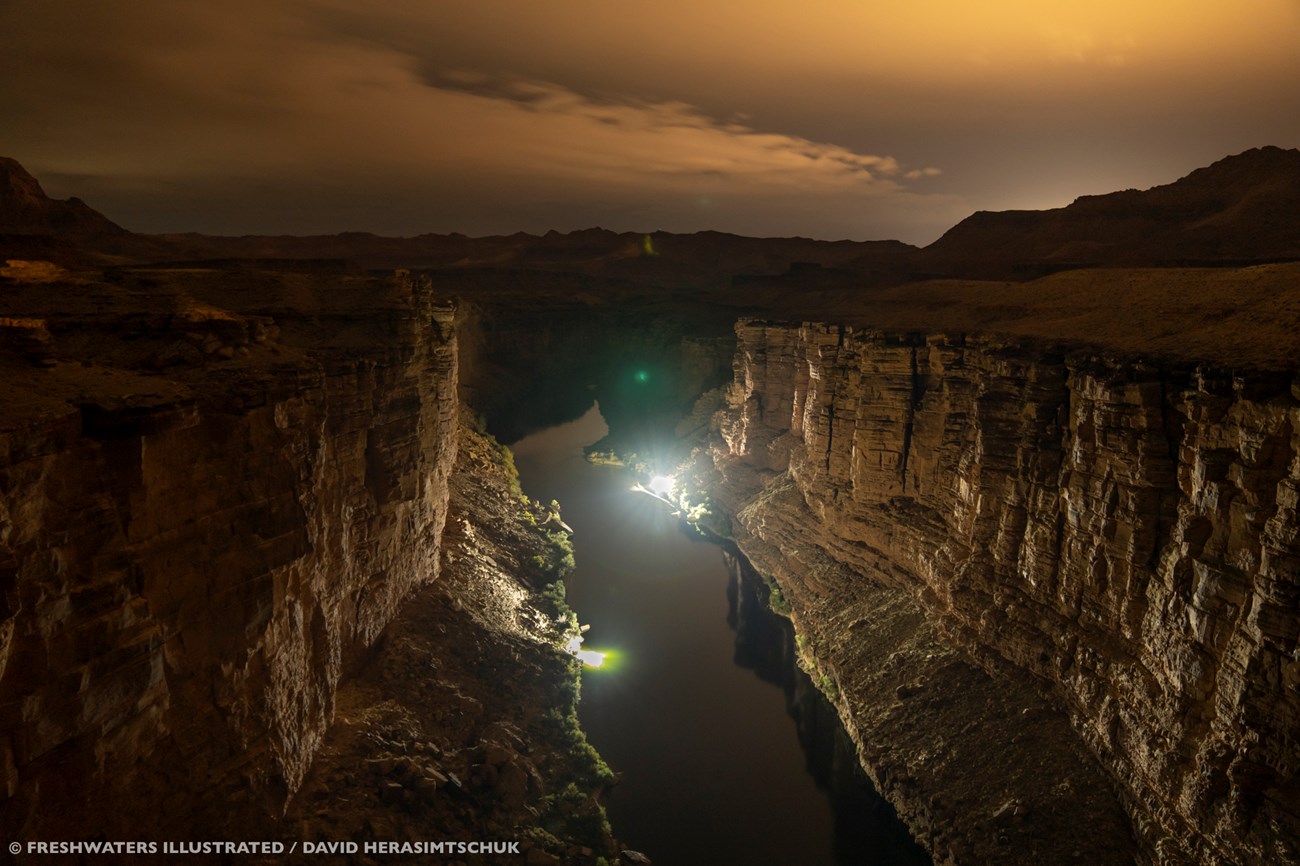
(828, 118)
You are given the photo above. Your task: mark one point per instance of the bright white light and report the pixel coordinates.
(590, 658)
(662, 485)
(661, 488)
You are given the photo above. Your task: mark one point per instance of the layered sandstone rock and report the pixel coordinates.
(207, 508)
(1124, 532)
(459, 725)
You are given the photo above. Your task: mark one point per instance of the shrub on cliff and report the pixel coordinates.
(502, 455)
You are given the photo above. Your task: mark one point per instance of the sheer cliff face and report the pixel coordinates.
(1124, 531)
(186, 570)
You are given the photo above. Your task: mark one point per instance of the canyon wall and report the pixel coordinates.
(194, 546)
(1124, 531)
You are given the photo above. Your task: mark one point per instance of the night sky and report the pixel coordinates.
(857, 119)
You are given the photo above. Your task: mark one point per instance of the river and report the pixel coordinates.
(717, 765)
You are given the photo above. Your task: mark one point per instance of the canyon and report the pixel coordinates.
(1123, 531)
(1037, 537)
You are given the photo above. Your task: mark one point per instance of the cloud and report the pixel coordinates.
(406, 115)
(318, 132)
(576, 134)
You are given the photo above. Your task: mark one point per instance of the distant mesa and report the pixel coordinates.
(1239, 211)
(25, 209)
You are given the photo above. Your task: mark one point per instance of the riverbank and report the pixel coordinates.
(713, 768)
(980, 768)
(461, 725)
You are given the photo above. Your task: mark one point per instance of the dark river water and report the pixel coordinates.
(726, 753)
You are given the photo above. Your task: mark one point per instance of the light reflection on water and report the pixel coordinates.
(712, 769)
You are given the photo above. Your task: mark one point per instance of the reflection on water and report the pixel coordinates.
(712, 771)
(866, 828)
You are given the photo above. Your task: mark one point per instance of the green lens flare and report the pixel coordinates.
(611, 660)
